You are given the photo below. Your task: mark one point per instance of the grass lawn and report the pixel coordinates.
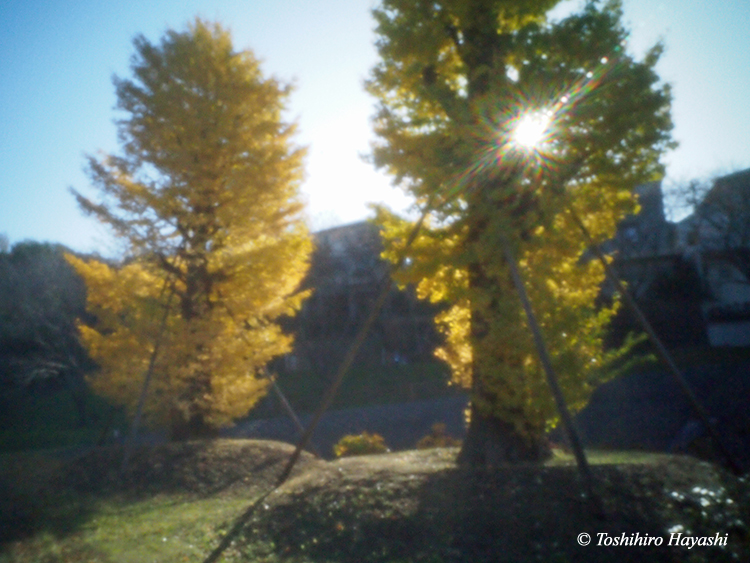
(175, 501)
(165, 529)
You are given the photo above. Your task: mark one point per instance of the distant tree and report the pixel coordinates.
(205, 198)
(670, 298)
(721, 217)
(464, 87)
(41, 296)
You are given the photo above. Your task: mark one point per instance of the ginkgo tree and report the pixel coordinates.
(509, 127)
(205, 198)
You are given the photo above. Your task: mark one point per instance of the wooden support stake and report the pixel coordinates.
(562, 406)
(662, 352)
(130, 442)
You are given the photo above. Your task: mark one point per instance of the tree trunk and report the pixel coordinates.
(192, 425)
(195, 428)
(78, 396)
(490, 442)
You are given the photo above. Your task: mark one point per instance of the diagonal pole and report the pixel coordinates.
(351, 354)
(562, 406)
(286, 405)
(130, 442)
(661, 350)
(284, 401)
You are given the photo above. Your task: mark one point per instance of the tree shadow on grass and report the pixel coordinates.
(518, 514)
(25, 512)
(196, 469)
(70, 495)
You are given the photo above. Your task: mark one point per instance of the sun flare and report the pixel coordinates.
(531, 128)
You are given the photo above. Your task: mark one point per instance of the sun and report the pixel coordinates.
(531, 128)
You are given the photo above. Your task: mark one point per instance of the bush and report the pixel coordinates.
(364, 444)
(437, 438)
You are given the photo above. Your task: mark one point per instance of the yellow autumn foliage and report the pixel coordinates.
(454, 79)
(205, 199)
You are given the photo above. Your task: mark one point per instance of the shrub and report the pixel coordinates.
(364, 444)
(437, 438)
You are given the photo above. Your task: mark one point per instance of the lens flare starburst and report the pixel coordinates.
(526, 130)
(531, 127)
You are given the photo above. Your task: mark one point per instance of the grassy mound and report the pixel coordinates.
(199, 468)
(176, 500)
(418, 506)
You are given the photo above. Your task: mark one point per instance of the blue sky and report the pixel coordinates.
(56, 95)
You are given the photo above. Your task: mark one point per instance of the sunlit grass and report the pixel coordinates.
(318, 513)
(606, 457)
(160, 529)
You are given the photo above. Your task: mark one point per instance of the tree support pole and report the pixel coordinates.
(287, 406)
(130, 442)
(276, 389)
(719, 445)
(132, 435)
(284, 401)
(351, 354)
(562, 406)
(354, 348)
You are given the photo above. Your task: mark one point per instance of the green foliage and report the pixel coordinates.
(437, 438)
(362, 444)
(39, 418)
(205, 200)
(40, 298)
(455, 79)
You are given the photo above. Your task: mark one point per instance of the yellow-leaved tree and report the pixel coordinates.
(508, 126)
(205, 197)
